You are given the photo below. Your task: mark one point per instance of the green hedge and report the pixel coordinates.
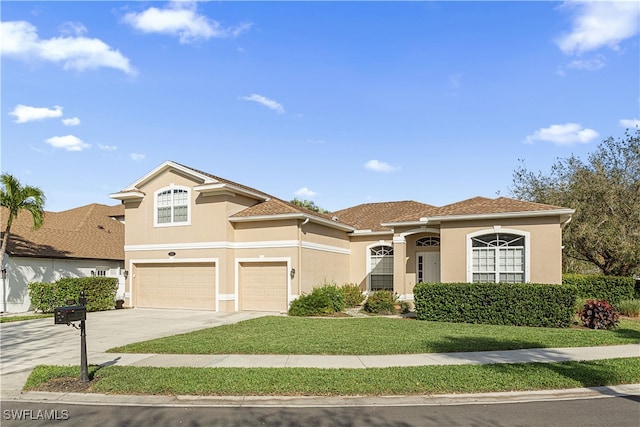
(521, 304)
(612, 289)
(99, 291)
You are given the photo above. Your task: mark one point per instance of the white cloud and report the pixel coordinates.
(74, 121)
(181, 19)
(378, 166)
(269, 103)
(137, 156)
(25, 113)
(107, 147)
(598, 24)
(592, 64)
(566, 134)
(73, 28)
(629, 123)
(305, 192)
(20, 40)
(68, 142)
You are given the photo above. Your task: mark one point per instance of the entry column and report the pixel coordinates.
(399, 264)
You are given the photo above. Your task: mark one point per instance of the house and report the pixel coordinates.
(195, 240)
(79, 242)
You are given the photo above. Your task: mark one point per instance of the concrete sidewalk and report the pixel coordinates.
(544, 355)
(28, 344)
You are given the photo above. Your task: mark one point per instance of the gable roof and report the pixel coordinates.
(266, 207)
(368, 217)
(208, 183)
(86, 232)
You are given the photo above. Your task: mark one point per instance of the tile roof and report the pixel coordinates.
(87, 232)
(370, 216)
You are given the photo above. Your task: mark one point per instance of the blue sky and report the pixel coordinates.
(341, 103)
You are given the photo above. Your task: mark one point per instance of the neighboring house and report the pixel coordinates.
(194, 240)
(80, 242)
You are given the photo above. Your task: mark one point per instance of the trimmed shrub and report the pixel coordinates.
(99, 291)
(599, 315)
(323, 300)
(335, 296)
(598, 287)
(517, 304)
(352, 295)
(629, 307)
(381, 302)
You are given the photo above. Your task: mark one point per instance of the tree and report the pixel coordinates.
(308, 204)
(605, 192)
(16, 198)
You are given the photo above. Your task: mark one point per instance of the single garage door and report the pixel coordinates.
(186, 286)
(263, 286)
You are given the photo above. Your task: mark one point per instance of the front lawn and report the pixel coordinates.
(376, 335)
(7, 319)
(338, 382)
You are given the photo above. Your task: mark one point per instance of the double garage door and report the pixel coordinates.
(262, 286)
(190, 286)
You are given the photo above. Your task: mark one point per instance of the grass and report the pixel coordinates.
(346, 382)
(629, 307)
(378, 335)
(7, 319)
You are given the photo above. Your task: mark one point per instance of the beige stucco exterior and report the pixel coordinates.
(230, 231)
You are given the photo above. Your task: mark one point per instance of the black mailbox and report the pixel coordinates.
(70, 313)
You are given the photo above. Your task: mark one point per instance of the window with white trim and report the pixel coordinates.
(428, 241)
(381, 267)
(498, 257)
(172, 206)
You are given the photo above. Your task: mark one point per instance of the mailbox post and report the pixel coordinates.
(73, 313)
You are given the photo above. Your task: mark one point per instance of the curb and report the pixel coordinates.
(625, 390)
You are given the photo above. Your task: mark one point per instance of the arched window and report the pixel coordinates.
(381, 268)
(498, 257)
(172, 206)
(429, 241)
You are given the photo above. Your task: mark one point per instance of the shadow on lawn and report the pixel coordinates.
(446, 344)
(497, 358)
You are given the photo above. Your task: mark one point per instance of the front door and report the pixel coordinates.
(428, 267)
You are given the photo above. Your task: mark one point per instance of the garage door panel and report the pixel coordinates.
(263, 286)
(185, 286)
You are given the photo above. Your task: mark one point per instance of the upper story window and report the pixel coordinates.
(428, 242)
(172, 206)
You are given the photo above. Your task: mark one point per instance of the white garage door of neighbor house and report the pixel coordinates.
(187, 286)
(263, 286)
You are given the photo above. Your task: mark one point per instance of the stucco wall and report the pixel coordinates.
(205, 211)
(358, 262)
(545, 246)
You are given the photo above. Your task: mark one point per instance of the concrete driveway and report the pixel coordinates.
(24, 345)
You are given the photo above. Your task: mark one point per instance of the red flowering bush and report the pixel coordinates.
(599, 315)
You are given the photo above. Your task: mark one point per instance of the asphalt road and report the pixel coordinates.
(607, 411)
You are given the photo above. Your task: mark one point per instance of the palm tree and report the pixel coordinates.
(16, 197)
